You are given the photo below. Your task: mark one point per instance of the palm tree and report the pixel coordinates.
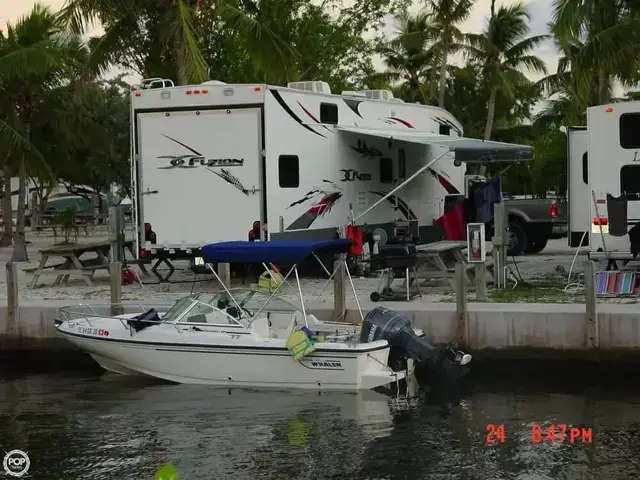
(33, 58)
(446, 15)
(609, 37)
(408, 55)
(502, 49)
(168, 27)
(564, 105)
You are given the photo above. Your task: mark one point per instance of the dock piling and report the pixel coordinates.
(591, 302)
(12, 296)
(461, 304)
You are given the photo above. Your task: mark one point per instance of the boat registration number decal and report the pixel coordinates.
(93, 331)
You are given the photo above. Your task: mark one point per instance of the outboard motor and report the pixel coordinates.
(441, 361)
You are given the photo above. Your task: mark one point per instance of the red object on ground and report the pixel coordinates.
(453, 223)
(356, 234)
(128, 277)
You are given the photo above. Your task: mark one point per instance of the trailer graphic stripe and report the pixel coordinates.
(403, 122)
(287, 109)
(353, 105)
(313, 118)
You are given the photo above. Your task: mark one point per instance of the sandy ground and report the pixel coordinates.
(552, 264)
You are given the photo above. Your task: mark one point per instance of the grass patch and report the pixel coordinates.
(541, 291)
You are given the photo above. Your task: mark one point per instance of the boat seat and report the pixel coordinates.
(297, 319)
(260, 326)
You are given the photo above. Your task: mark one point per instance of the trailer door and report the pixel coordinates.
(199, 174)
(579, 192)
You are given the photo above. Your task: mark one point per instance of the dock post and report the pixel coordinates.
(461, 304)
(115, 271)
(116, 234)
(481, 282)
(224, 272)
(13, 307)
(339, 291)
(499, 241)
(591, 303)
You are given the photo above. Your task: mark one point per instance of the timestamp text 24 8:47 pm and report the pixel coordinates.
(551, 433)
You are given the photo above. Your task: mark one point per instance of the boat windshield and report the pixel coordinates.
(253, 300)
(177, 309)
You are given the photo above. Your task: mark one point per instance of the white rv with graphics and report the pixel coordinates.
(604, 165)
(578, 186)
(215, 160)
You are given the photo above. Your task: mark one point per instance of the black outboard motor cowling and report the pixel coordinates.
(443, 362)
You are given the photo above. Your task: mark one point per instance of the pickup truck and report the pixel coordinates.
(533, 222)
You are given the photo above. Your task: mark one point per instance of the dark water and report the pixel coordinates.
(86, 426)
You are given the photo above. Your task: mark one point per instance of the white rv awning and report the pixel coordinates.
(469, 150)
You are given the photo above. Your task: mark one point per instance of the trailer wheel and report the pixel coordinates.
(517, 240)
(375, 297)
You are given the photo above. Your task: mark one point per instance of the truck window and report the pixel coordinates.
(630, 130)
(288, 171)
(402, 164)
(585, 168)
(630, 181)
(329, 113)
(386, 170)
(445, 130)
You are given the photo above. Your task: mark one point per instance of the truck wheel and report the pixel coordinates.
(516, 240)
(536, 246)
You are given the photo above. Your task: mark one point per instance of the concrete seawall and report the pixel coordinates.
(493, 330)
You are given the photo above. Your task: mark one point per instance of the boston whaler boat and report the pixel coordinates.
(249, 338)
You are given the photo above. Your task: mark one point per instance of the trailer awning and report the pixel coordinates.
(468, 150)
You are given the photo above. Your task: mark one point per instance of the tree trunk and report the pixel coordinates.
(491, 111)
(20, 244)
(178, 50)
(603, 86)
(433, 84)
(7, 208)
(443, 79)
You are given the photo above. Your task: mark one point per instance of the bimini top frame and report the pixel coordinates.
(291, 252)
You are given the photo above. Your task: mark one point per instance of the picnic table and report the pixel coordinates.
(72, 262)
(438, 260)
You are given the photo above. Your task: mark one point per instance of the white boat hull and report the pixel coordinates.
(229, 359)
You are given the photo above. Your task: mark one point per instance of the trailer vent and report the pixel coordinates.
(352, 93)
(385, 95)
(314, 86)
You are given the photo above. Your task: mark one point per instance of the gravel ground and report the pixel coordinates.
(552, 264)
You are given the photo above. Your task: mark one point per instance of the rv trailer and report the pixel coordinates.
(578, 186)
(215, 162)
(614, 170)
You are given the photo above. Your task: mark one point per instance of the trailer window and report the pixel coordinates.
(630, 130)
(329, 113)
(585, 168)
(288, 171)
(402, 164)
(630, 180)
(445, 130)
(386, 170)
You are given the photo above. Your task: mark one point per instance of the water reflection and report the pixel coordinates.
(89, 427)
